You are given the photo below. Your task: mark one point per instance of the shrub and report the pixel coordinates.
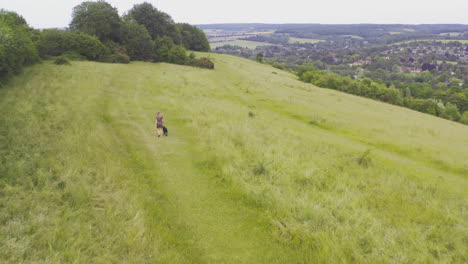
(178, 55)
(464, 118)
(452, 112)
(16, 46)
(89, 46)
(73, 55)
(202, 63)
(61, 61)
(279, 65)
(116, 58)
(54, 42)
(162, 48)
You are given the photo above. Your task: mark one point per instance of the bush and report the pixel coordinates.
(54, 42)
(116, 58)
(279, 65)
(464, 118)
(178, 55)
(16, 46)
(73, 55)
(452, 112)
(162, 49)
(202, 63)
(61, 61)
(89, 46)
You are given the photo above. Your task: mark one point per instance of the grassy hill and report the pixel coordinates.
(258, 168)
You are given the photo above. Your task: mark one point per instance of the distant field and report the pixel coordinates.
(243, 43)
(451, 34)
(303, 40)
(352, 36)
(464, 41)
(449, 62)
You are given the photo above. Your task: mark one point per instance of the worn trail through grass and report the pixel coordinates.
(219, 226)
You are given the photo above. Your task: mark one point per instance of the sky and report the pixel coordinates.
(57, 13)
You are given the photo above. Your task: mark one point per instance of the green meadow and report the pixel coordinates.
(303, 40)
(463, 41)
(258, 167)
(243, 43)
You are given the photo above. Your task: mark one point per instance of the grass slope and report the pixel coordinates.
(258, 168)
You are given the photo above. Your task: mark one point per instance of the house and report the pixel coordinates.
(362, 62)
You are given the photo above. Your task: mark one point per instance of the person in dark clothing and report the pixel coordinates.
(159, 123)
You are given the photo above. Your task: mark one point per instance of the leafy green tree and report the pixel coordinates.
(97, 18)
(460, 100)
(444, 77)
(158, 24)
(12, 19)
(311, 76)
(16, 46)
(55, 42)
(464, 118)
(407, 92)
(178, 55)
(89, 46)
(193, 38)
(162, 49)
(260, 57)
(136, 40)
(452, 112)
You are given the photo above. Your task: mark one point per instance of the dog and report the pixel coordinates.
(165, 131)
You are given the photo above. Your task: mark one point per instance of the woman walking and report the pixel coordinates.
(159, 123)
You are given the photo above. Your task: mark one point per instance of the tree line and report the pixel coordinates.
(379, 91)
(98, 33)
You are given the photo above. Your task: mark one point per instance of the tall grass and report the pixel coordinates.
(331, 178)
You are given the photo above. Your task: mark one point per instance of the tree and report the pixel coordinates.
(158, 24)
(89, 46)
(452, 112)
(407, 92)
(97, 18)
(260, 57)
(162, 48)
(12, 19)
(464, 118)
(193, 38)
(136, 40)
(460, 100)
(177, 55)
(16, 46)
(55, 42)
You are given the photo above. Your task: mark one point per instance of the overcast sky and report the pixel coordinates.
(57, 13)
